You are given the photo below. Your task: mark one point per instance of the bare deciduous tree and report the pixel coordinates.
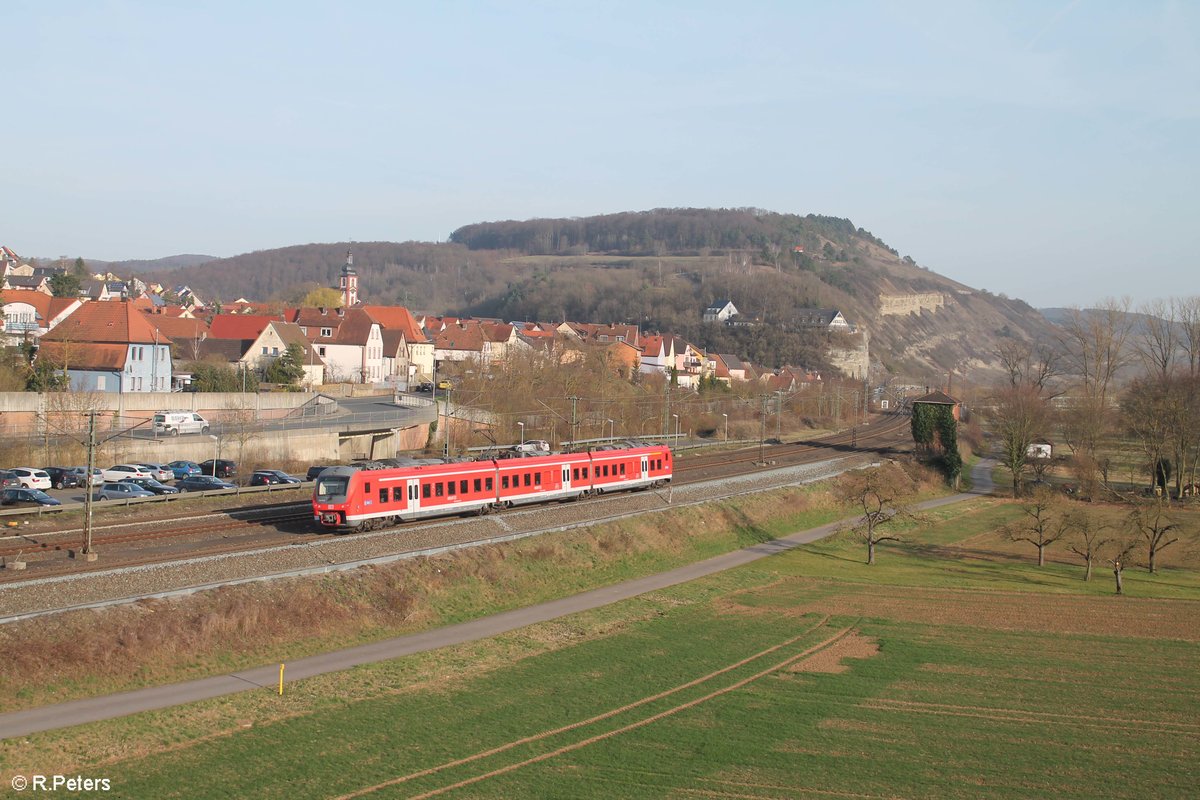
(1156, 341)
(1044, 522)
(881, 494)
(1019, 415)
(1120, 559)
(1153, 522)
(1093, 343)
(1089, 539)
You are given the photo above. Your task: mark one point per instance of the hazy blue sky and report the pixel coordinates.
(1047, 150)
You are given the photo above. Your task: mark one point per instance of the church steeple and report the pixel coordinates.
(349, 282)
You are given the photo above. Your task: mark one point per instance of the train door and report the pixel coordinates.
(414, 497)
(566, 482)
(645, 467)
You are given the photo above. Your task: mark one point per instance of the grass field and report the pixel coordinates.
(953, 668)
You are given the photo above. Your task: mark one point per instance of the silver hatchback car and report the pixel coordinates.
(120, 490)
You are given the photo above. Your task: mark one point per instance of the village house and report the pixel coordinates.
(255, 342)
(109, 347)
(720, 311)
(31, 314)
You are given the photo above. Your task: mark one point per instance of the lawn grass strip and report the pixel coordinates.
(1027, 716)
(606, 715)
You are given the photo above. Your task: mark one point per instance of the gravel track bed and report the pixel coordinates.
(126, 584)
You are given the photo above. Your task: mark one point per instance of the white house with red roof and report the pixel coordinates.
(408, 351)
(109, 347)
(31, 314)
(658, 354)
(255, 341)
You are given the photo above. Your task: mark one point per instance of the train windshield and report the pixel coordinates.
(331, 487)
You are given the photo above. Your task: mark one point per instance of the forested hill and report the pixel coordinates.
(675, 231)
(660, 269)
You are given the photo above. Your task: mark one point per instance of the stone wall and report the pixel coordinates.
(901, 304)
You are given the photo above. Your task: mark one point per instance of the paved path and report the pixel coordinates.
(78, 712)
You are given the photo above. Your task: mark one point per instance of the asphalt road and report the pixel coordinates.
(78, 712)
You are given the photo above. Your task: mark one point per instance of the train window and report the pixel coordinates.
(503, 481)
(575, 474)
(605, 470)
(438, 489)
(488, 484)
(537, 479)
(622, 469)
(367, 487)
(383, 494)
(585, 472)
(462, 487)
(527, 479)
(478, 485)
(425, 491)
(397, 495)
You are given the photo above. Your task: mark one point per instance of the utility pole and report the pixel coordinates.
(778, 413)
(87, 553)
(667, 409)
(762, 434)
(446, 450)
(573, 400)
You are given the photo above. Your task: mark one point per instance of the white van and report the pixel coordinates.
(177, 422)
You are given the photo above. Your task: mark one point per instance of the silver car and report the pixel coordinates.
(121, 490)
(160, 472)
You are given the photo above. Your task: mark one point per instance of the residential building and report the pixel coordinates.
(720, 311)
(109, 347)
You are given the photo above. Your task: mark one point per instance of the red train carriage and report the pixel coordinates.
(543, 478)
(355, 498)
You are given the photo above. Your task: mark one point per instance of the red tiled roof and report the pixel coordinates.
(178, 328)
(397, 318)
(40, 302)
(355, 328)
(112, 322)
(83, 355)
(456, 338)
(238, 326)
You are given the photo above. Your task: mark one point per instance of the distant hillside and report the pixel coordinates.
(134, 266)
(660, 269)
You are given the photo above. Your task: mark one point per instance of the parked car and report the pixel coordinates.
(64, 477)
(81, 474)
(153, 486)
(160, 472)
(271, 477)
(219, 467)
(120, 472)
(425, 386)
(445, 383)
(121, 490)
(202, 483)
(181, 469)
(31, 478)
(316, 470)
(8, 480)
(27, 497)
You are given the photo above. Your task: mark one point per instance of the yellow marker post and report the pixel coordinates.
(281, 680)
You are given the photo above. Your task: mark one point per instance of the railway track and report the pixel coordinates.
(160, 541)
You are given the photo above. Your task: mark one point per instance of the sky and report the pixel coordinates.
(1044, 150)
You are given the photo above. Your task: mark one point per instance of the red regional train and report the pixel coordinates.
(357, 499)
